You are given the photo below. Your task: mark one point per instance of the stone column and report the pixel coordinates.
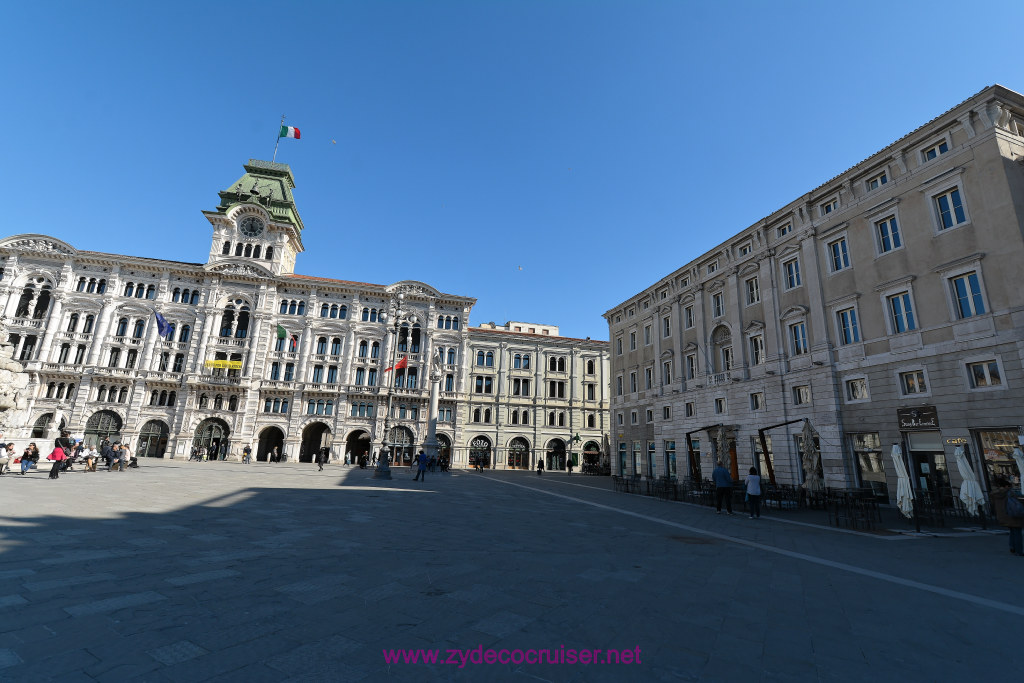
(435, 388)
(100, 331)
(52, 325)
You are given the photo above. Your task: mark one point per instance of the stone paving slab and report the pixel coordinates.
(222, 572)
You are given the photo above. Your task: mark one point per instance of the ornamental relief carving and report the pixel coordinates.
(40, 245)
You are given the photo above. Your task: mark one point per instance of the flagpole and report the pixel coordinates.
(278, 142)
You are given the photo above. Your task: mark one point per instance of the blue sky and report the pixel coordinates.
(549, 158)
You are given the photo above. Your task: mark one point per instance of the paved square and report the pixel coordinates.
(220, 571)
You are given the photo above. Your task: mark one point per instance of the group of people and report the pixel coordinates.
(723, 490)
(66, 451)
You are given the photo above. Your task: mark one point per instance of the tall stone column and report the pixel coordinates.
(52, 325)
(100, 331)
(435, 390)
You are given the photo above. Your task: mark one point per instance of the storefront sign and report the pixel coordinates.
(955, 441)
(925, 417)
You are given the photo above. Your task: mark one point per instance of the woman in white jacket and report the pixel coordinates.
(754, 493)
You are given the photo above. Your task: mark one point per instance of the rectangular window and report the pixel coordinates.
(935, 151)
(967, 295)
(666, 372)
(848, 331)
(618, 385)
(618, 346)
(798, 336)
(727, 358)
(950, 209)
(839, 255)
(650, 416)
(801, 395)
(888, 235)
(591, 391)
(984, 374)
(913, 382)
(666, 326)
(632, 341)
(745, 249)
(670, 458)
(792, 273)
(784, 230)
(753, 291)
(829, 207)
(857, 389)
(712, 267)
(633, 417)
(620, 419)
(689, 409)
(666, 413)
(757, 401)
(901, 313)
(876, 182)
(632, 382)
(719, 406)
(648, 378)
(757, 349)
(647, 335)
(688, 317)
(718, 305)
(691, 366)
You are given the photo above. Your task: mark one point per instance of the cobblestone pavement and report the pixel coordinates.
(221, 571)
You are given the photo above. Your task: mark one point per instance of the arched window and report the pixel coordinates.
(172, 398)
(123, 396)
(449, 383)
(375, 350)
(50, 389)
(163, 398)
(366, 314)
(343, 312)
(526, 417)
(233, 403)
(256, 251)
(591, 421)
(154, 397)
(89, 321)
(561, 364)
(336, 346)
(227, 321)
(284, 306)
(480, 358)
(590, 367)
(514, 417)
(65, 349)
(242, 328)
(476, 415)
(451, 356)
(292, 305)
(101, 287)
(455, 323)
(490, 359)
(79, 354)
(517, 361)
(487, 415)
(179, 362)
(238, 249)
(203, 400)
(101, 394)
(561, 419)
(218, 402)
(289, 372)
(319, 407)
(151, 292)
(139, 329)
(175, 295)
(329, 408)
(526, 361)
(92, 286)
(302, 308)
(411, 378)
(195, 297)
(360, 376)
(275, 371)
(371, 377)
(362, 349)
(122, 327)
(277, 405)
(226, 249)
(131, 357)
(185, 334)
(129, 289)
(185, 296)
(170, 332)
(332, 374)
(373, 315)
(324, 310)
(248, 250)
(321, 345)
(73, 322)
(440, 322)
(552, 364)
(551, 419)
(310, 407)
(415, 344)
(80, 287)
(140, 291)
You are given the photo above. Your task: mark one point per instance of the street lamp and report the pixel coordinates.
(397, 315)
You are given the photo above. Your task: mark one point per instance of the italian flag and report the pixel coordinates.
(289, 132)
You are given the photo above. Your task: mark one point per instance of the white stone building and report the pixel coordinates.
(882, 306)
(257, 354)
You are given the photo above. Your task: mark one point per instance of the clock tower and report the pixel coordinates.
(256, 222)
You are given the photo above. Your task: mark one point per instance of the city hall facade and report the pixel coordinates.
(258, 355)
(883, 307)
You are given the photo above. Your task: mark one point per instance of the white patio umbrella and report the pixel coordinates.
(1019, 457)
(904, 495)
(970, 489)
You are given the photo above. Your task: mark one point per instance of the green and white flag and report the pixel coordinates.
(289, 132)
(281, 332)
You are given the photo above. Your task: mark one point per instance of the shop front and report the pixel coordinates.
(929, 472)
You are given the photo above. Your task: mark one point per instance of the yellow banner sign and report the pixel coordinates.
(224, 364)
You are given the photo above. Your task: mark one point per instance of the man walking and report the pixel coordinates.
(723, 488)
(421, 471)
(320, 459)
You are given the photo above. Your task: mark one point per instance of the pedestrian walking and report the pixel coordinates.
(540, 466)
(274, 455)
(320, 459)
(569, 465)
(247, 455)
(421, 473)
(754, 493)
(1002, 497)
(61, 447)
(723, 488)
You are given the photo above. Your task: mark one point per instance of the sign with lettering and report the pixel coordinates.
(924, 417)
(955, 441)
(224, 364)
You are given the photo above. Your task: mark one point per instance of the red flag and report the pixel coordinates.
(400, 364)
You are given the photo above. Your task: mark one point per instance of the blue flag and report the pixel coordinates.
(162, 326)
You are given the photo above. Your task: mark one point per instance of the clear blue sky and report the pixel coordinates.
(597, 146)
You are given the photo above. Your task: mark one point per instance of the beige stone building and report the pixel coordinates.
(257, 354)
(883, 307)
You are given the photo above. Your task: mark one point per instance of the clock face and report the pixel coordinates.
(251, 226)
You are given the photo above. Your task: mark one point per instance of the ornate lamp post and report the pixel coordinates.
(397, 315)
